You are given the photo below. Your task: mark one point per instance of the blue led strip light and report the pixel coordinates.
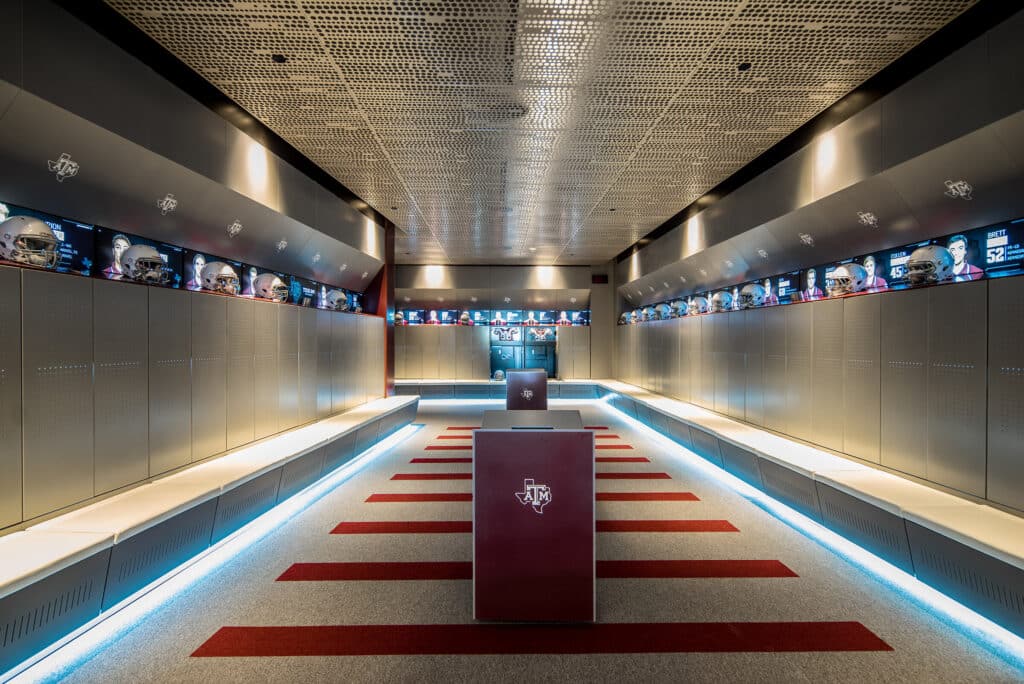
(60, 659)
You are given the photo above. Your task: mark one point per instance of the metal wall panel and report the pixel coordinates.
(209, 375)
(121, 384)
(581, 355)
(170, 379)
(481, 352)
(753, 336)
(57, 362)
(401, 334)
(287, 366)
(265, 393)
(862, 379)
(775, 368)
(413, 352)
(241, 376)
(706, 394)
(339, 362)
(1006, 391)
(430, 350)
(446, 352)
(827, 373)
(464, 352)
(323, 372)
(10, 396)
(904, 354)
(957, 359)
(689, 353)
(799, 400)
(737, 364)
(308, 364)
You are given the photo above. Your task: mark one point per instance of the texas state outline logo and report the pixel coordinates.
(534, 495)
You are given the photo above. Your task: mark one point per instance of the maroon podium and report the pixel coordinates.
(533, 524)
(526, 388)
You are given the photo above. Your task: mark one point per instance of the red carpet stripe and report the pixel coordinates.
(646, 496)
(405, 527)
(601, 496)
(455, 437)
(432, 476)
(665, 526)
(595, 427)
(622, 459)
(613, 446)
(463, 459)
(634, 476)
(419, 498)
(606, 437)
(449, 447)
(463, 570)
(665, 637)
(466, 526)
(464, 427)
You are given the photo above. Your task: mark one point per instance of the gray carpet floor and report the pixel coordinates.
(244, 592)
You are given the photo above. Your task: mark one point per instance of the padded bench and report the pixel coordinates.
(62, 573)
(969, 551)
(491, 389)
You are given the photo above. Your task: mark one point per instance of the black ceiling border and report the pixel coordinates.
(971, 24)
(116, 28)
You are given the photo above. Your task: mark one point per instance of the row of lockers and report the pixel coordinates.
(105, 384)
(573, 350)
(928, 382)
(435, 351)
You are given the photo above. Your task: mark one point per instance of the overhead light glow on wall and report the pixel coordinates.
(545, 275)
(434, 275)
(825, 153)
(370, 238)
(693, 236)
(257, 167)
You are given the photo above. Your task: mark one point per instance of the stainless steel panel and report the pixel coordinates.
(1006, 391)
(241, 371)
(791, 487)
(463, 352)
(876, 529)
(308, 365)
(706, 397)
(446, 352)
(170, 379)
(904, 353)
(827, 387)
(209, 375)
(775, 368)
(753, 335)
(265, 392)
(862, 378)
(430, 349)
(413, 353)
(121, 383)
(340, 354)
(799, 399)
(323, 372)
(238, 506)
(737, 362)
(690, 354)
(57, 356)
(481, 353)
(287, 366)
(10, 396)
(957, 390)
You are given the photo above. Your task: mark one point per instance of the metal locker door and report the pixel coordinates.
(57, 367)
(682, 391)
(241, 373)
(581, 353)
(120, 384)
(265, 385)
(827, 373)
(431, 341)
(338, 361)
(10, 396)
(323, 368)
(170, 379)
(209, 375)
(287, 366)
(307, 364)
(904, 322)
(799, 400)
(400, 337)
(957, 389)
(753, 335)
(775, 368)
(463, 352)
(737, 364)
(446, 352)
(706, 333)
(1006, 391)
(862, 378)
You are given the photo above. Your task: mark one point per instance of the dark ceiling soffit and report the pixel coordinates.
(106, 21)
(971, 24)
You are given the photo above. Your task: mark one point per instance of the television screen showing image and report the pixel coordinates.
(356, 301)
(1002, 248)
(875, 267)
(411, 317)
(124, 256)
(67, 247)
(479, 316)
(303, 292)
(812, 285)
(579, 317)
(532, 318)
(505, 317)
(449, 316)
(228, 281)
(787, 288)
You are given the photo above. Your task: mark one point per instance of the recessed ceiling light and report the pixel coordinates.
(533, 249)
(611, 209)
(278, 58)
(394, 208)
(744, 66)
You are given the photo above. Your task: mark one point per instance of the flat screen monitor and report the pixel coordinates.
(449, 316)
(195, 262)
(538, 317)
(506, 317)
(303, 292)
(111, 246)
(479, 316)
(412, 316)
(74, 248)
(787, 288)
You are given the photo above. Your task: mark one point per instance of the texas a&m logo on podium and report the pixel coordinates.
(535, 495)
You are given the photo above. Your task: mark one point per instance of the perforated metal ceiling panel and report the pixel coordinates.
(573, 127)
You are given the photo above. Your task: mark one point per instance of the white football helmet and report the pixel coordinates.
(699, 305)
(846, 279)
(399, 317)
(678, 308)
(464, 319)
(27, 240)
(624, 318)
(648, 314)
(143, 264)
(337, 300)
(219, 277)
(499, 375)
(664, 312)
(270, 286)
(929, 264)
(721, 301)
(752, 296)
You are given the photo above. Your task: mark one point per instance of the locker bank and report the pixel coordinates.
(488, 341)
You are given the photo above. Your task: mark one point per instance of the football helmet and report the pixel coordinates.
(699, 305)
(219, 277)
(664, 312)
(721, 301)
(929, 264)
(846, 279)
(499, 375)
(143, 264)
(624, 318)
(678, 308)
(337, 300)
(270, 286)
(464, 319)
(27, 240)
(752, 296)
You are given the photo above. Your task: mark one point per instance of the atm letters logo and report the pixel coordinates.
(535, 495)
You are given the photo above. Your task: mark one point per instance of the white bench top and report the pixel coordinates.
(977, 526)
(887, 491)
(31, 556)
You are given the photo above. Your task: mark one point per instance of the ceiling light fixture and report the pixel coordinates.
(744, 66)
(278, 58)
